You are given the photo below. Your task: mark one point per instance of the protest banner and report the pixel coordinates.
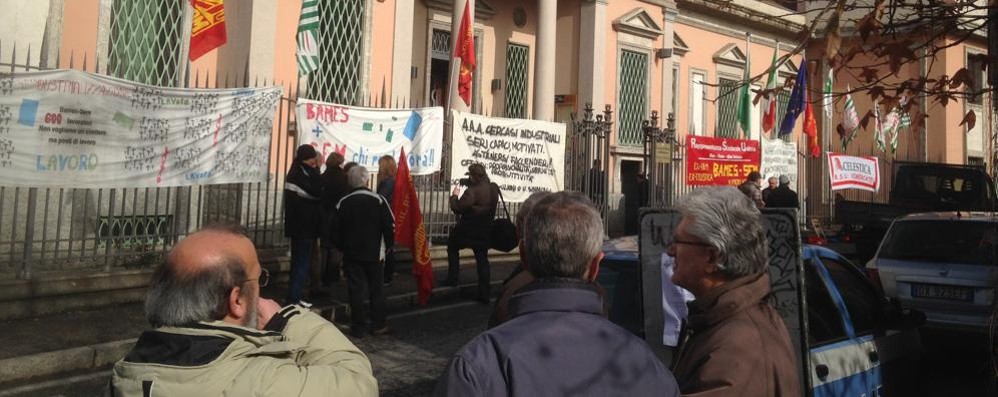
(521, 156)
(363, 135)
(779, 157)
(720, 161)
(854, 172)
(67, 128)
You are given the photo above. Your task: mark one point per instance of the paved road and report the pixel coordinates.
(406, 363)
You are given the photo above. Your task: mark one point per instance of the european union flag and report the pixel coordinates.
(796, 105)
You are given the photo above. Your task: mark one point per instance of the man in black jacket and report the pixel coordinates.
(476, 211)
(783, 197)
(302, 216)
(334, 187)
(365, 228)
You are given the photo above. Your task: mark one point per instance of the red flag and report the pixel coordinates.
(410, 230)
(811, 129)
(464, 49)
(207, 27)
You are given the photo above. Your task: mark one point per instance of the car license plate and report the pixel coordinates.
(942, 292)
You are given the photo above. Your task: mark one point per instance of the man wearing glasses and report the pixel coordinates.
(734, 343)
(213, 335)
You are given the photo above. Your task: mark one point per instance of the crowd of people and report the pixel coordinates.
(777, 195)
(213, 334)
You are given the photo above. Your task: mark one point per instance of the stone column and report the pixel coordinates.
(402, 53)
(547, 19)
(592, 53)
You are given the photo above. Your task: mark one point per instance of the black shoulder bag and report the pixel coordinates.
(503, 230)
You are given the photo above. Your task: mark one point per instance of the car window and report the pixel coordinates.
(823, 319)
(949, 241)
(865, 305)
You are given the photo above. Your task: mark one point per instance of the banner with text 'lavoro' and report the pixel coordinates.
(521, 156)
(363, 135)
(67, 128)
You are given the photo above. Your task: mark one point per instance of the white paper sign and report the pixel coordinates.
(779, 158)
(852, 172)
(674, 300)
(521, 156)
(67, 128)
(363, 135)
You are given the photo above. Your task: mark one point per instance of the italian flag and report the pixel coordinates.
(769, 102)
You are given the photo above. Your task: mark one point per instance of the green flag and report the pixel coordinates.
(308, 33)
(745, 103)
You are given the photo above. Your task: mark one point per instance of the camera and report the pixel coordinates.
(464, 181)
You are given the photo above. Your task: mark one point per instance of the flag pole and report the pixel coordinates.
(748, 75)
(826, 125)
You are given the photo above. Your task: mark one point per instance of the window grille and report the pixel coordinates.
(727, 109)
(517, 61)
(633, 102)
(341, 52)
(146, 41)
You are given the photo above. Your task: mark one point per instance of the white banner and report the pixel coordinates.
(67, 128)
(852, 172)
(522, 156)
(363, 135)
(778, 158)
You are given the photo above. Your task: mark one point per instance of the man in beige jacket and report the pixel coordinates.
(215, 336)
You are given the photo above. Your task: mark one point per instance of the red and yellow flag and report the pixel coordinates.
(207, 27)
(464, 49)
(811, 129)
(410, 230)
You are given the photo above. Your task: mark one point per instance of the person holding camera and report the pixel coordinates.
(476, 210)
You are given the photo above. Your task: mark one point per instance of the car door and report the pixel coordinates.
(898, 345)
(844, 361)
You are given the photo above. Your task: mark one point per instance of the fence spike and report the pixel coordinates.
(96, 64)
(72, 57)
(246, 73)
(383, 91)
(27, 59)
(85, 61)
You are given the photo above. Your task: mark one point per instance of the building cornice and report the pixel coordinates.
(483, 10)
(763, 18)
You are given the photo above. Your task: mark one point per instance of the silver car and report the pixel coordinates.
(943, 264)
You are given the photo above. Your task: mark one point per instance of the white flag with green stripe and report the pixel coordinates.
(308, 32)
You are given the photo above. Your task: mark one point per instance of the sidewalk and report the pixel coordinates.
(95, 339)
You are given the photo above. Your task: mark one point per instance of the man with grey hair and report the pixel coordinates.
(215, 336)
(519, 277)
(365, 228)
(556, 341)
(734, 342)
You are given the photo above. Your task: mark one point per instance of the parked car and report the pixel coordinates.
(943, 264)
(859, 342)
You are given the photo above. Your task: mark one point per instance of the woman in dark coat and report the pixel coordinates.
(387, 169)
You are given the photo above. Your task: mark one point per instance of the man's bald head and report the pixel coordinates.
(211, 246)
(199, 275)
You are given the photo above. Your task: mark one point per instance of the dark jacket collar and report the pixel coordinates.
(728, 299)
(556, 295)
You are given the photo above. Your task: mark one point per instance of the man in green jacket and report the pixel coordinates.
(213, 335)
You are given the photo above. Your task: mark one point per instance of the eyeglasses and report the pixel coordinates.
(696, 243)
(264, 278)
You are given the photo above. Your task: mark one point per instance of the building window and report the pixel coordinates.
(698, 102)
(341, 53)
(146, 40)
(633, 101)
(517, 61)
(440, 57)
(782, 102)
(975, 65)
(727, 108)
